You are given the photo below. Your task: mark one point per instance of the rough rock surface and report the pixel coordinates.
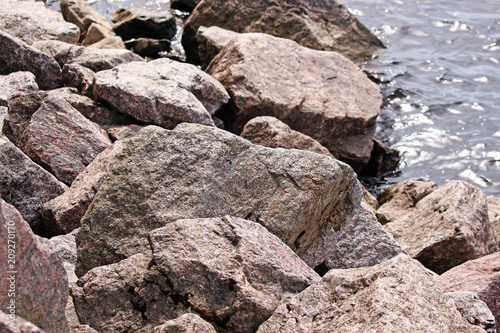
(474, 310)
(136, 23)
(370, 200)
(200, 171)
(494, 212)
(187, 323)
(41, 285)
(322, 25)
(92, 58)
(96, 33)
(272, 132)
(211, 41)
(57, 136)
(400, 199)
(16, 83)
(318, 93)
(395, 296)
(113, 42)
(16, 55)
(65, 247)
(79, 77)
(481, 276)
(162, 92)
(26, 185)
(64, 213)
(447, 227)
(82, 14)
(32, 21)
(382, 160)
(18, 325)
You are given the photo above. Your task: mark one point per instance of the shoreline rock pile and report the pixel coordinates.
(221, 199)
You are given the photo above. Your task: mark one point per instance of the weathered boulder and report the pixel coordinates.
(238, 274)
(97, 33)
(211, 41)
(16, 55)
(14, 324)
(32, 21)
(26, 185)
(320, 94)
(79, 77)
(473, 309)
(187, 323)
(33, 271)
(494, 212)
(16, 83)
(272, 132)
(400, 199)
(370, 200)
(65, 247)
(112, 42)
(322, 25)
(92, 58)
(136, 23)
(120, 132)
(200, 171)
(64, 213)
(481, 276)
(55, 135)
(447, 227)
(82, 14)
(162, 92)
(397, 295)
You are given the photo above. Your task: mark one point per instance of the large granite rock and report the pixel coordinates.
(54, 134)
(230, 271)
(32, 21)
(211, 40)
(474, 310)
(26, 185)
(82, 14)
(16, 83)
(187, 323)
(201, 171)
(136, 23)
(481, 276)
(34, 279)
(92, 58)
(395, 296)
(322, 25)
(16, 55)
(447, 227)
(320, 94)
(272, 132)
(162, 92)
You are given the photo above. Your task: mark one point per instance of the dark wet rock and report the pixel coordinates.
(41, 285)
(32, 21)
(474, 310)
(82, 14)
(162, 92)
(211, 41)
(184, 5)
(26, 185)
(322, 25)
(401, 199)
(320, 94)
(481, 276)
(448, 227)
(96, 33)
(112, 42)
(79, 77)
(16, 83)
(148, 47)
(382, 160)
(16, 55)
(397, 295)
(272, 132)
(92, 58)
(10, 323)
(200, 171)
(136, 23)
(55, 135)
(65, 212)
(187, 323)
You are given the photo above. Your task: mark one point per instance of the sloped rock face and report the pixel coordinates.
(162, 92)
(481, 276)
(16, 55)
(473, 309)
(82, 14)
(32, 21)
(273, 133)
(40, 282)
(200, 171)
(447, 227)
(230, 271)
(322, 25)
(140, 23)
(18, 325)
(395, 296)
(26, 185)
(187, 323)
(211, 41)
(320, 94)
(16, 83)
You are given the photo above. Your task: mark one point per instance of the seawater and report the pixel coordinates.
(440, 79)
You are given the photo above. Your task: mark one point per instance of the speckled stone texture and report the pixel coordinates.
(18, 325)
(16, 83)
(187, 323)
(211, 40)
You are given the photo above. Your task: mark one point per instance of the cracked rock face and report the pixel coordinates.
(397, 295)
(200, 171)
(230, 271)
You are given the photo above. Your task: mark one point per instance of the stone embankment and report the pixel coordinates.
(140, 193)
